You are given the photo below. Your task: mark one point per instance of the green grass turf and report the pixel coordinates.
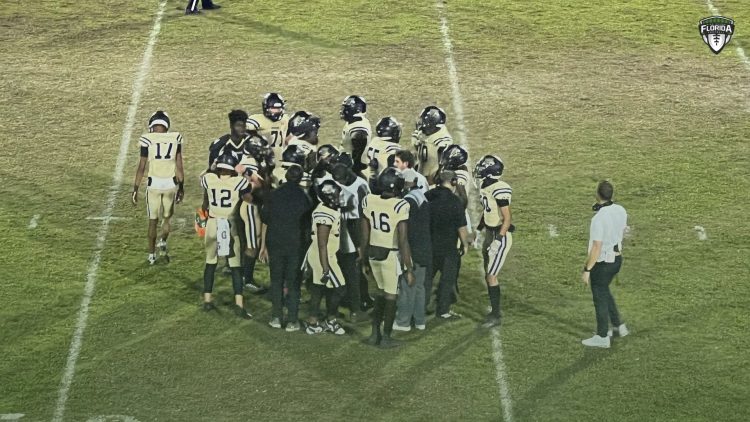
(566, 92)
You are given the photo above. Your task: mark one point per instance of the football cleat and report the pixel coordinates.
(151, 259)
(275, 323)
(242, 312)
(334, 327)
(313, 329)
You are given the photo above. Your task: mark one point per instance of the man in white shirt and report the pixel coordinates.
(603, 263)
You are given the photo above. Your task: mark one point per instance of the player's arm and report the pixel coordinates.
(462, 195)
(359, 144)
(405, 250)
(364, 230)
(139, 174)
(505, 212)
(179, 175)
(323, 232)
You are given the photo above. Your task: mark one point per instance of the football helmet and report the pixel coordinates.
(327, 152)
(389, 127)
(273, 100)
(228, 160)
(304, 125)
(453, 157)
(159, 117)
(391, 180)
(294, 154)
(351, 106)
(489, 166)
(329, 193)
(430, 119)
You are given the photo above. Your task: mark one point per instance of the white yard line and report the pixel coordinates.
(32, 224)
(11, 416)
(701, 232)
(552, 229)
(101, 237)
(458, 109)
(737, 47)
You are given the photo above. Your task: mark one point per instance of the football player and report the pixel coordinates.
(293, 154)
(353, 192)
(454, 158)
(430, 138)
(328, 278)
(272, 123)
(234, 141)
(224, 189)
(303, 132)
(495, 196)
(326, 156)
(162, 151)
(385, 252)
(380, 152)
(356, 133)
(255, 158)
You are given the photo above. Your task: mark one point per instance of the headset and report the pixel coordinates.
(596, 207)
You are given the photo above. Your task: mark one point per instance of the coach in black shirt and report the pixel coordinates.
(286, 219)
(448, 224)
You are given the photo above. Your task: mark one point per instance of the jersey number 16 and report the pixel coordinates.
(381, 223)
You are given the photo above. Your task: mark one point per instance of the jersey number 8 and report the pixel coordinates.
(380, 224)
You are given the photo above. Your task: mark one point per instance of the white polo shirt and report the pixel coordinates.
(608, 226)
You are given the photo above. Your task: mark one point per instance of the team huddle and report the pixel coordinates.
(338, 218)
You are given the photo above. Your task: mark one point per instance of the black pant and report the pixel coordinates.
(604, 303)
(192, 5)
(285, 272)
(447, 264)
(348, 264)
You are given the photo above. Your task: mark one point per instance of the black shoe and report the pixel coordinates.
(209, 306)
(212, 7)
(374, 338)
(388, 343)
(491, 321)
(193, 12)
(358, 317)
(241, 312)
(368, 304)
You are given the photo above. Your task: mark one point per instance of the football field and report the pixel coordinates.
(566, 92)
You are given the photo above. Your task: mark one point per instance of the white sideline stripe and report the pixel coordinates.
(701, 232)
(32, 225)
(458, 108)
(740, 51)
(114, 190)
(552, 229)
(458, 102)
(11, 416)
(106, 218)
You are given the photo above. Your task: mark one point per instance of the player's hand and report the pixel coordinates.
(179, 196)
(326, 278)
(410, 278)
(463, 250)
(586, 277)
(263, 256)
(134, 197)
